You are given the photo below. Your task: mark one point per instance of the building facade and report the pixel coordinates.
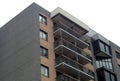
(38, 45)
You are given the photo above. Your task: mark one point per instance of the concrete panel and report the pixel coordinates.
(20, 46)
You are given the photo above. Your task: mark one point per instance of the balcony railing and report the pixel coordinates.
(80, 67)
(70, 31)
(65, 78)
(72, 47)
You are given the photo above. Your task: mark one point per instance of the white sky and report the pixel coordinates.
(103, 16)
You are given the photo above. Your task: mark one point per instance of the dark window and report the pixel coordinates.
(104, 75)
(44, 71)
(44, 51)
(112, 78)
(107, 63)
(109, 76)
(42, 19)
(104, 47)
(118, 55)
(43, 35)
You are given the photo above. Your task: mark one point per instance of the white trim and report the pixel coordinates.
(69, 16)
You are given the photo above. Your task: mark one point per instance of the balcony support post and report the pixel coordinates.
(77, 58)
(78, 76)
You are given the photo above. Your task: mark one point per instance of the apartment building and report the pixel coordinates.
(38, 45)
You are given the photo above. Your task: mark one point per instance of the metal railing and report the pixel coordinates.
(73, 64)
(65, 78)
(69, 30)
(71, 46)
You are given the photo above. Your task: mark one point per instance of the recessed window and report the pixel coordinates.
(43, 35)
(118, 55)
(42, 19)
(44, 70)
(44, 51)
(104, 47)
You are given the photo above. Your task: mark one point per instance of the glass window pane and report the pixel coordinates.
(110, 65)
(100, 63)
(44, 36)
(103, 64)
(40, 50)
(102, 47)
(107, 65)
(112, 78)
(42, 19)
(107, 76)
(40, 34)
(97, 63)
(107, 49)
(44, 51)
(44, 70)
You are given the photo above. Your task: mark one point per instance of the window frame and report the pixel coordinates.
(44, 70)
(43, 49)
(42, 19)
(107, 63)
(43, 35)
(104, 47)
(117, 54)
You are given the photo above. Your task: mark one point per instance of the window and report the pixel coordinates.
(104, 47)
(43, 35)
(107, 63)
(109, 76)
(117, 54)
(44, 71)
(42, 19)
(44, 51)
(104, 75)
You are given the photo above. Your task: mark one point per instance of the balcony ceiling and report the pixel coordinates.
(61, 15)
(65, 21)
(103, 55)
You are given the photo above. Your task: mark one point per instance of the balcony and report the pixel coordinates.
(65, 78)
(70, 35)
(105, 75)
(73, 69)
(101, 49)
(61, 16)
(70, 50)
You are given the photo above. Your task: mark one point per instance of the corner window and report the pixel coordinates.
(43, 35)
(105, 48)
(42, 19)
(44, 51)
(44, 71)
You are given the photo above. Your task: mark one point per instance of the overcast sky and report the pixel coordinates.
(102, 16)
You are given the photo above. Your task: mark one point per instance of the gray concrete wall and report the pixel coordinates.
(114, 47)
(20, 46)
